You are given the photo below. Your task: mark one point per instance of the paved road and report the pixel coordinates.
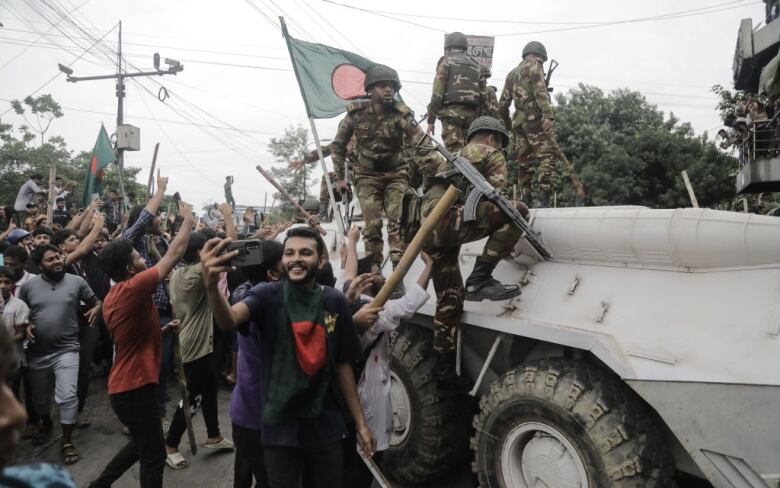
(98, 443)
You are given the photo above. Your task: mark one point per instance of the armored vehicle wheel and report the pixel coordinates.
(566, 423)
(430, 426)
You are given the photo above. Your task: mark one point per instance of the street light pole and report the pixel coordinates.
(120, 76)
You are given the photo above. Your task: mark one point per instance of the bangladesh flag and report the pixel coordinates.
(329, 78)
(102, 156)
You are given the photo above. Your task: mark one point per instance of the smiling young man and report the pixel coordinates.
(54, 299)
(308, 341)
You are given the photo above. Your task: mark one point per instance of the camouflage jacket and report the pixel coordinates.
(526, 86)
(491, 106)
(458, 89)
(327, 150)
(488, 160)
(380, 137)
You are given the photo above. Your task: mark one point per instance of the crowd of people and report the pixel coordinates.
(85, 296)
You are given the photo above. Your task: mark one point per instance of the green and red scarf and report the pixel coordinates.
(301, 371)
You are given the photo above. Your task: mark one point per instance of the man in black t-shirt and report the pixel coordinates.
(308, 345)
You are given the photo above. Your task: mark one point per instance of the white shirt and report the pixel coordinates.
(374, 383)
(15, 314)
(26, 195)
(26, 276)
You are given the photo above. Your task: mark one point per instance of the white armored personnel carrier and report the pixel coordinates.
(645, 353)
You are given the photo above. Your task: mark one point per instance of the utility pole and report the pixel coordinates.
(130, 139)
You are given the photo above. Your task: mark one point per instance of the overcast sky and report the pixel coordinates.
(237, 74)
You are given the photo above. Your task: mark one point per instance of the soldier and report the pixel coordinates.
(490, 106)
(458, 93)
(532, 123)
(486, 139)
(312, 158)
(381, 125)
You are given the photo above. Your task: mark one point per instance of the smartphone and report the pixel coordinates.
(250, 252)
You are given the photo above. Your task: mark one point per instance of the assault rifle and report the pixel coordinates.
(553, 66)
(482, 188)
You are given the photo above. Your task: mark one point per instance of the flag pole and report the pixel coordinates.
(335, 206)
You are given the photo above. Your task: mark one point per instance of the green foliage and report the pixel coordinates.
(19, 158)
(292, 145)
(627, 153)
(44, 109)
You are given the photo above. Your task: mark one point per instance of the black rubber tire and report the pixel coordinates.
(610, 427)
(438, 437)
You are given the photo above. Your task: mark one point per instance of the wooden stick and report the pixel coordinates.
(52, 193)
(433, 220)
(689, 187)
(289, 197)
(151, 173)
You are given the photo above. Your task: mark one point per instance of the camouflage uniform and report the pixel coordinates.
(536, 156)
(313, 157)
(490, 108)
(444, 246)
(457, 98)
(380, 173)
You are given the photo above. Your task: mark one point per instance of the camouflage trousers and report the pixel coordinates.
(444, 249)
(454, 130)
(536, 158)
(380, 192)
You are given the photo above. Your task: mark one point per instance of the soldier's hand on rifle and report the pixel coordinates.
(431, 129)
(296, 164)
(547, 124)
(341, 186)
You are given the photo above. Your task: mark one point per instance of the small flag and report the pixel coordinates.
(329, 78)
(102, 156)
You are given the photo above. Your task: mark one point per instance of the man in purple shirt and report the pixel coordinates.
(245, 408)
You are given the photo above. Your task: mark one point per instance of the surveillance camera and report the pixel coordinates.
(65, 69)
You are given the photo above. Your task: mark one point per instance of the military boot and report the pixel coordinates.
(400, 289)
(323, 212)
(445, 374)
(480, 285)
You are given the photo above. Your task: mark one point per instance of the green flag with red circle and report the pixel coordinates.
(102, 155)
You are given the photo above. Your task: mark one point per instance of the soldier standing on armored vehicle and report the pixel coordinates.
(486, 138)
(490, 107)
(532, 123)
(381, 175)
(458, 93)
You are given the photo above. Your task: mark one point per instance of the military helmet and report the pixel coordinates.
(456, 39)
(484, 71)
(380, 72)
(535, 47)
(488, 123)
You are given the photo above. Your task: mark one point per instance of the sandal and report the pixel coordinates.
(176, 461)
(70, 454)
(223, 444)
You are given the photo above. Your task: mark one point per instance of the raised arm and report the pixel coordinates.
(339, 146)
(83, 227)
(213, 263)
(230, 225)
(88, 242)
(351, 265)
(179, 244)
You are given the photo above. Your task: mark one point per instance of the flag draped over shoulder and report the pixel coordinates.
(102, 156)
(329, 78)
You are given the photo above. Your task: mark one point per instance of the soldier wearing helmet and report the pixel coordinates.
(532, 123)
(458, 93)
(490, 106)
(486, 138)
(381, 126)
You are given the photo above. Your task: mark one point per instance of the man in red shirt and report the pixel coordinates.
(133, 322)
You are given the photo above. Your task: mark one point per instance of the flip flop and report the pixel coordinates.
(176, 461)
(223, 444)
(70, 454)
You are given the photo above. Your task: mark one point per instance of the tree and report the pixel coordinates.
(292, 145)
(45, 110)
(627, 153)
